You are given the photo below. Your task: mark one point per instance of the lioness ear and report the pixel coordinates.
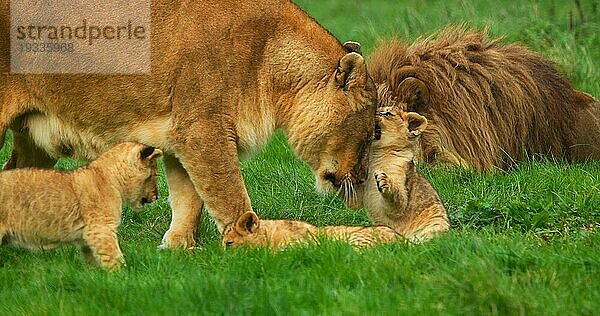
(150, 152)
(410, 89)
(353, 47)
(248, 223)
(416, 124)
(351, 71)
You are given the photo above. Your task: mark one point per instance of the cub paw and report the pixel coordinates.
(382, 182)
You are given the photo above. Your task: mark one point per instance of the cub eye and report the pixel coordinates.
(228, 243)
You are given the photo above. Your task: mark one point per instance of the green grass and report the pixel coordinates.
(523, 242)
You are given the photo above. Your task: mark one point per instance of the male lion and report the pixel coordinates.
(488, 104)
(41, 209)
(276, 234)
(225, 75)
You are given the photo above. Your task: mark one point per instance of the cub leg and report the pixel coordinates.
(103, 244)
(26, 154)
(186, 207)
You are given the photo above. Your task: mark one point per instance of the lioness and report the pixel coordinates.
(396, 195)
(276, 234)
(41, 209)
(225, 75)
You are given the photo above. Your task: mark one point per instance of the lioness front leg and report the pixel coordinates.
(103, 243)
(209, 155)
(186, 207)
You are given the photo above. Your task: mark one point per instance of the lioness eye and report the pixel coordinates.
(229, 243)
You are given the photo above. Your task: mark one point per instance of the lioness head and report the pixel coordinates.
(337, 131)
(135, 167)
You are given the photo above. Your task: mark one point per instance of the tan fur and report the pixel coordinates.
(42, 209)
(276, 234)
(395, 194)
(225, 75)
(489, 105)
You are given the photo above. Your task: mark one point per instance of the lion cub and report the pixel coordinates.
(42, 209)
(397, 195)
(249, 230)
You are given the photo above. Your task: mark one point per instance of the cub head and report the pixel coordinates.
(337, 125)
(396, 129)
(138, 172)
(245, 230)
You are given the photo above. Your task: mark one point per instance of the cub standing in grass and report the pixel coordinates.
(41, 209)
(249, 230)
(397, 195)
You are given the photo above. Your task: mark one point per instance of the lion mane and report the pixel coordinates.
(489, 104)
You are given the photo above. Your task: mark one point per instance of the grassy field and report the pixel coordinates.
(524, 242)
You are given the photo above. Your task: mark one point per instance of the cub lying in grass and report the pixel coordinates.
(249, 230)
(42, 209)
(396, 195)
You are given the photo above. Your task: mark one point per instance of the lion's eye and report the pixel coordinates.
(386, 113)
(229, 243)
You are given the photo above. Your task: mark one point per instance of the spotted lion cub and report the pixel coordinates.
(252, 231)
(396, 195)
(42, 209)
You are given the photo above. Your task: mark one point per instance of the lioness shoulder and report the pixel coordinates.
(42, 209)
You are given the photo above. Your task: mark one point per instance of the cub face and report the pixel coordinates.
(397, 129)
(143, 175)
(246, 230)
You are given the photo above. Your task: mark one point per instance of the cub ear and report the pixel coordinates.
(150, 152)
(416, 124)
(351, 71)
(353, 47)
(408, 88)
(248, 223)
